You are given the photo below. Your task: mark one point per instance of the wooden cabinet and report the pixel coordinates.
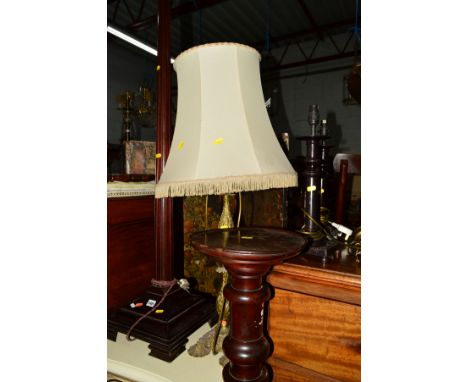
(130, 248)
(315, 320)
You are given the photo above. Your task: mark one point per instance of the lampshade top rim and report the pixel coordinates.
(194, 48)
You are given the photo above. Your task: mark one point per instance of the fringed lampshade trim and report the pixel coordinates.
(226, 185)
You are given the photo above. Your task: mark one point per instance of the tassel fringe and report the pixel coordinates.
(226, 185)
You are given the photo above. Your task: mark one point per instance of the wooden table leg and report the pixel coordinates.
(246, 346)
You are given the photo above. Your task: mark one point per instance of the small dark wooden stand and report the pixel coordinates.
(248, 254)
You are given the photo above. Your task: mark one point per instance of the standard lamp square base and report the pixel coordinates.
(167, 329)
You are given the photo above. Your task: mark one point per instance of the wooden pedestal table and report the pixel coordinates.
(248, 254)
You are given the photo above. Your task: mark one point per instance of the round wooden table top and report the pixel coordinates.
(250, 243)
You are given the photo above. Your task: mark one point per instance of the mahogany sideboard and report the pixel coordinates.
(315, 320)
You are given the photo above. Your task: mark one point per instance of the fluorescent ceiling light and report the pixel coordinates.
(133, 41)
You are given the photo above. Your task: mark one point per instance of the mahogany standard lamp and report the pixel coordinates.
(224, 143)
(180, 313)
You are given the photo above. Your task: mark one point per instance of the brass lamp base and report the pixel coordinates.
(225, 220)
(213, 339)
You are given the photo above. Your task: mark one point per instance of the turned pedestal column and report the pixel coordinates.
(248, 254)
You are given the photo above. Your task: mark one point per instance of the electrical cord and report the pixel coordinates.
(329, 235)
(155, 283)
(240, 210)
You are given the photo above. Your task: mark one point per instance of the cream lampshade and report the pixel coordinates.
(223, 140)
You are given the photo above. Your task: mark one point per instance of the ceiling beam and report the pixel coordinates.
(191, 7)
(277, 76)
(116, 9)
(143, 24)
(312, 61)
(142, 6)
(304, 32)
(310, 17)
(129, 10)
(176, 12)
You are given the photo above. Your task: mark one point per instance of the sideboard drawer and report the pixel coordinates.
(317, 334)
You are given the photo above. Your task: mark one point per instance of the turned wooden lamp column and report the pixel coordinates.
(248, 254)
(163, 208)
